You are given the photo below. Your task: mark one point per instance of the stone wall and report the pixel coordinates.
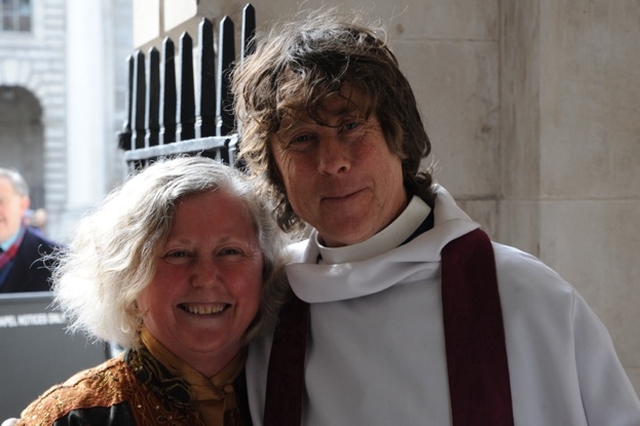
(589, 73)
(570, 137)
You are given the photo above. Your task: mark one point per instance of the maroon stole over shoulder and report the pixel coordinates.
(474, 337)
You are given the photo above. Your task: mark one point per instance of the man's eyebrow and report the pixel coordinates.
(340, 107)
(292, 124)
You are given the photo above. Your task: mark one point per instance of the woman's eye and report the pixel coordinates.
(230, 252)
(176, 254)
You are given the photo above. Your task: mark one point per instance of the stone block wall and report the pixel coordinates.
(570, 96)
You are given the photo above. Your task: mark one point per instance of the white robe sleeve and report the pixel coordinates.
(607, 393)
(563, 367)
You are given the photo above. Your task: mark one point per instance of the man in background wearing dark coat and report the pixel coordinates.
(21, 249)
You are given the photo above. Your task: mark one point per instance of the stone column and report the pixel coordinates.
(86, 107)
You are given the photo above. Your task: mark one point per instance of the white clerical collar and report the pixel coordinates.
(390, 237)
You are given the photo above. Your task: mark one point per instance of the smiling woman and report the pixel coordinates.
(182, 266)
(206, 290)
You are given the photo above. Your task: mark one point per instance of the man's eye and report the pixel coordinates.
(300, 139)
(351, 125)
(299, 143)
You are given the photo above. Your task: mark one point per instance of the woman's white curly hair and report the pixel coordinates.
(112, 256)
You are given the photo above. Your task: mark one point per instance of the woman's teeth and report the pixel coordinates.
(204, 309)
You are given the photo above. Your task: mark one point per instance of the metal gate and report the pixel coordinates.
(191, 115)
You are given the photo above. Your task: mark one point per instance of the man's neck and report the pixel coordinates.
(388, 238)
(4, 245)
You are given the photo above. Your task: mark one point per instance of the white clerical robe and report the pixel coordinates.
(376, 354)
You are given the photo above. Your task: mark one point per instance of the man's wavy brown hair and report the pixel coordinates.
(296, 66)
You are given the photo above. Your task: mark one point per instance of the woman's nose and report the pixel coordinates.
(205, 274)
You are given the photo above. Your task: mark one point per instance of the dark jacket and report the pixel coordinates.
(28, 271)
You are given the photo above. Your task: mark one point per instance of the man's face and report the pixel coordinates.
(12, 209)
(340, 176)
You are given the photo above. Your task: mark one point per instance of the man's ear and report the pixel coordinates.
(274, 173)
(25, 202)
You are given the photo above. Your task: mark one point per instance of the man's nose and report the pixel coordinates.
(333, 155)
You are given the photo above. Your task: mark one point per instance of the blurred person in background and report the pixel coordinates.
(36, 220)
(22, 267)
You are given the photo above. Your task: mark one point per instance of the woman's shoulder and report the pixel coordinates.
(106, 385)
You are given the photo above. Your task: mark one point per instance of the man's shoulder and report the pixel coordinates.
(523, 273)
(34, 247)
(514, 258)
(33, 239)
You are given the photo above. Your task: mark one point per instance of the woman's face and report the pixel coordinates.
(208, 280)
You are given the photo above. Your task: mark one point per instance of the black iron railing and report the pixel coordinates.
(191, 114)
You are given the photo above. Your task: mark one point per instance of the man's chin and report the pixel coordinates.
(342, 236)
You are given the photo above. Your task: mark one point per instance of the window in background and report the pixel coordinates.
(15, 15)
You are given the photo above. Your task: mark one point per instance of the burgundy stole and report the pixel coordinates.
(474, 338)
(474, 334)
